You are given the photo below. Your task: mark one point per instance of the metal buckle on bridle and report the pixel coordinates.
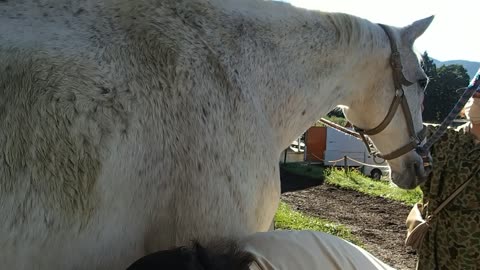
(399, 92)
(376, 161)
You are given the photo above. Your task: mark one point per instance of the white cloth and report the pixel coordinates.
(307, 250)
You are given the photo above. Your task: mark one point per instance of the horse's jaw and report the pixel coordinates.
(409, 172)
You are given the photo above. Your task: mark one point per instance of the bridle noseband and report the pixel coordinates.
(399, 81)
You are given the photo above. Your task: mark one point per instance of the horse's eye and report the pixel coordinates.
(423, 83)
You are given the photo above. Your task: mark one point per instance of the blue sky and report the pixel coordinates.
(453, 34)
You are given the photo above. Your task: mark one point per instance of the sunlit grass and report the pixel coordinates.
(288, 219)
(356, 181)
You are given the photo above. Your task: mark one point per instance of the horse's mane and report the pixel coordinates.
(219, 255)
(353, 31)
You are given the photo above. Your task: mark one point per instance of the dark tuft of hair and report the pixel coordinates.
(223, 255)
(219, 255)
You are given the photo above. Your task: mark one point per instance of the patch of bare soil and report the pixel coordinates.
(377, 222)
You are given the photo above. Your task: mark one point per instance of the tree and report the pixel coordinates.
(429, 66)
(441, 93)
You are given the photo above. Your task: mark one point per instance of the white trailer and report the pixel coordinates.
(339, 145)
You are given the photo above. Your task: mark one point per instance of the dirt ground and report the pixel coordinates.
(377, 222)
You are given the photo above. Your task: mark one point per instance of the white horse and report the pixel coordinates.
(131, 126)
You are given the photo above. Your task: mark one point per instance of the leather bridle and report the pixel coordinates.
(399, 81)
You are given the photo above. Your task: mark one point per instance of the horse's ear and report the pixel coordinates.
(412, 32)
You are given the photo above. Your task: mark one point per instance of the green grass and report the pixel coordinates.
(288, 219)
(304, 169)
(357, 181)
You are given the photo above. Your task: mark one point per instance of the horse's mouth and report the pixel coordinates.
(424, 169)
(421, 174)
(415, 174)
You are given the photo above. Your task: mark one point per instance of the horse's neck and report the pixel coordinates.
(306, 64)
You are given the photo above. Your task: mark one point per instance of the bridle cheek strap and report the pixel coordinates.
(399, 97)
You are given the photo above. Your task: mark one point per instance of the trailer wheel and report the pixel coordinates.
(376, 174)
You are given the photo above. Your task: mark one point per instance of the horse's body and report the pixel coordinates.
(132, 126)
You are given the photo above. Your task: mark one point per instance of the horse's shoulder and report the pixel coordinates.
(56, 122)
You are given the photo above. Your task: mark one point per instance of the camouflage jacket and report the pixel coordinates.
(453, 240)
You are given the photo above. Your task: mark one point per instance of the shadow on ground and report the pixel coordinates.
(294, 182)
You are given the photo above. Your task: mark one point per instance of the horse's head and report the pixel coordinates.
(388, 108)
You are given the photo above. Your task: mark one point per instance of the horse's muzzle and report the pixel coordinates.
(423, 171)
(415, 172)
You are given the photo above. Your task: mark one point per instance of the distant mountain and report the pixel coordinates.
(470, 66)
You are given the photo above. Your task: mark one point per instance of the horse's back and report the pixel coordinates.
(117, 135)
